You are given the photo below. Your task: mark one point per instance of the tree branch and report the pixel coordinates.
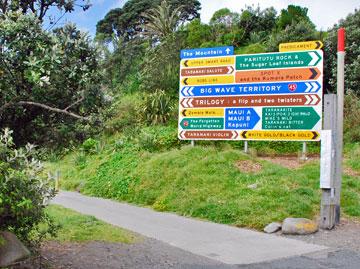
(75, 103)
(5, 106)
(57, 110)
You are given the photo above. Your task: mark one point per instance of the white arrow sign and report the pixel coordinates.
(188, 91)
(182, 134)
(187, 102)
(230, 69)
(314, 57)
(311, 99)
(312, 87)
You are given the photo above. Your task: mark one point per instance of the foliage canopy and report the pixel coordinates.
(44, 72)
(128, 21)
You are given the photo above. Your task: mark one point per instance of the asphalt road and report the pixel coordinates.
(171, 241)
(223, 243)
(153, 254)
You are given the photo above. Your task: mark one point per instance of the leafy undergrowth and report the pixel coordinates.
(204, 182)
(75, 227)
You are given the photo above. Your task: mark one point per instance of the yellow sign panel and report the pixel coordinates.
(297, 46)
(209, 112)
(208, 80)
(281, 135)
(211, 61)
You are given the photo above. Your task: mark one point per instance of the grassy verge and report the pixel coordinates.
(75, 227)
(353, 160)
(204, 182)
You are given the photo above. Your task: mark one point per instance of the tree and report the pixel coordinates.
(44, 72)
(254, 20)
(198, 34)
(293, 14)
(225, 17)
(122, 63)
(128, 22)
(225, 28)
(40, 7)
(160, 67)
(297, 31)
(352, 60)
(162, 21)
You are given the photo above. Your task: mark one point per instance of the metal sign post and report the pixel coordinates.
(327, 163)
(332, 146)
(340, 119)
(246, 147)
(304, 152)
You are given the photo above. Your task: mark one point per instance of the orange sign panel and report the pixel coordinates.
(293, 74)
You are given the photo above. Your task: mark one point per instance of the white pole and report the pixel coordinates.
(246, 147)
(340, 119)
(193, 143)
(304, 151)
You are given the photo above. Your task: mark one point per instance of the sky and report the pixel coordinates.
(324, 13)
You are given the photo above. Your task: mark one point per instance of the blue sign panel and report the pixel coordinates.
(240, 118)
(206, 52)
(252, 89)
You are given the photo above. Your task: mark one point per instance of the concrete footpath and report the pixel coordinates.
(223, 243)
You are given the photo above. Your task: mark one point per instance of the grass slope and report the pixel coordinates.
(204, 182)
(75, 227)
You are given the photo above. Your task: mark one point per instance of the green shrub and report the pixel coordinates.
(157, 108)
(80, 159)
(123, 114)
(89, 145)
(157, 138)
(250, 49)
(23, 192)
(147, 141)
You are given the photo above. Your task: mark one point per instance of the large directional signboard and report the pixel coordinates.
(268, 96)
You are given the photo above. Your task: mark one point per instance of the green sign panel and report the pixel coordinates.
(289, 118)
(278, 60)
(202, 123)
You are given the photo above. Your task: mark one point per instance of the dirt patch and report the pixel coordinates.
(291, 162)
(345, 235)
(145, 254)
(248, 166)
(350, 172)
(148, 254)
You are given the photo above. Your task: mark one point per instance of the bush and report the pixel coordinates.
(157, 138)
(296, 31)
(123, 113)
(157, 108)
(24, 193)
(89, 145)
